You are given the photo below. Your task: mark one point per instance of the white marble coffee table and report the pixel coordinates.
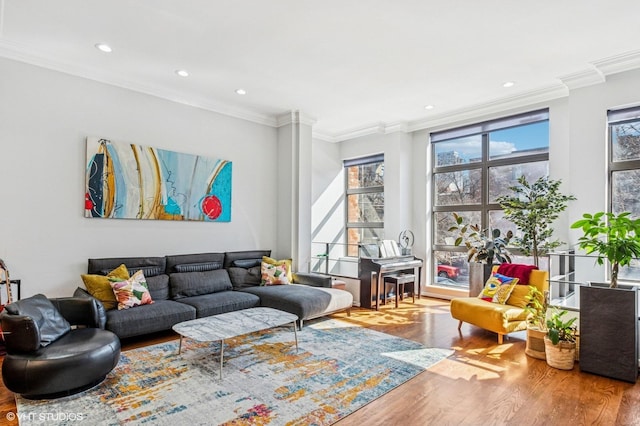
(233, 324)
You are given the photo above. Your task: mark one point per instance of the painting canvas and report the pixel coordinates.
(129, 181)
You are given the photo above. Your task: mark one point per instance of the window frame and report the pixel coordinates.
(484, 165)
(371, 159)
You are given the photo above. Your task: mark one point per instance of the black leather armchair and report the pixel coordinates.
(56, 347)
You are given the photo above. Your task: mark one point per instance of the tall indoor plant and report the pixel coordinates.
(609, 313)
(615, 238)
(532, 208)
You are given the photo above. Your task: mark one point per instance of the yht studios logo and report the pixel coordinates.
(45, 417)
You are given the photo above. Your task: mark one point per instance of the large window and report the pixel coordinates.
(472, 167)
(624, 170)
(365, 202)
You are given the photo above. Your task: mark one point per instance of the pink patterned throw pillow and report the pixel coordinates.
(131, 292)
(274, 274)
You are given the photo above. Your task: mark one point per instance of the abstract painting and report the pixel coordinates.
(129, 181)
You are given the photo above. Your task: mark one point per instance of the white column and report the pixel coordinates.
(294, 189)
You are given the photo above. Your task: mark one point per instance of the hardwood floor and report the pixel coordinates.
(483, 383)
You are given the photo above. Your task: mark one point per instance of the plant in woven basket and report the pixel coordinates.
(537, 303)
(559, 329)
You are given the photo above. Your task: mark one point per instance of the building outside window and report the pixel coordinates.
(365, 204)
(472, 167)
(624, 170)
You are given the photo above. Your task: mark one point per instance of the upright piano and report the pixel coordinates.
(372, 271)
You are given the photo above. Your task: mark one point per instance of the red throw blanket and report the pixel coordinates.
(515, 270)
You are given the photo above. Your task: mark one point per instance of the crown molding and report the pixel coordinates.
(524, 99)
(31, 56)
(323, 136)
(371, 129)
(294, 117)
(583, 78)
(619, 63)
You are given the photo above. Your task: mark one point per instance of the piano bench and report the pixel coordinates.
(399, 281)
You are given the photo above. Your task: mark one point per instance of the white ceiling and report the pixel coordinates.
(352, 66)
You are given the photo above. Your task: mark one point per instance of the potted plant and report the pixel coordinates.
(537, 304)
(560, 341)
(532, 208)
(609, 312)
(484, 249)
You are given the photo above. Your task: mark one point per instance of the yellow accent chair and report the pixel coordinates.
(500, 319)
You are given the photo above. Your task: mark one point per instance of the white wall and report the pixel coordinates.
(588, 160)
(45, 117)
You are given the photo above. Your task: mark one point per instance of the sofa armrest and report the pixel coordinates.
(20, 332)
(312, 279)
(100, 319)
(80, 311)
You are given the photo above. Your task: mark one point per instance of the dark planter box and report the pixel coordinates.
(479, 273)
(609, 331)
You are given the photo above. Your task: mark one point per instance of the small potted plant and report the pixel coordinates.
(560, 341)
(485, 248)
(537, 304)
(609, 313)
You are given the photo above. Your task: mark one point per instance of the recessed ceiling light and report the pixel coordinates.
(182, 73)
(508, 84)
(241, 91)
(429, 107)
(103, 47)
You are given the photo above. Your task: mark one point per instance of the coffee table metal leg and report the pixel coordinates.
(295, 333)
(221, 356)
(180, 346)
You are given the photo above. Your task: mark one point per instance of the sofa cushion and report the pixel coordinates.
(185, 259)
(159, 287)
(186, 284)
(301, 300)
(241, 277)
(488, 315)
(50, 322)
(148, 271)
(160, 316)
(231, 258)
(133, 264)
(518, 296)
(246, 263)
(221, 302)
(132, 292)
(99, 286)
(198, 267)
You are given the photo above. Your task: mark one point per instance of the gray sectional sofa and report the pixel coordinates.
(189, 286)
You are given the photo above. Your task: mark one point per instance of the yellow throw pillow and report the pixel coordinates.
(503, 293)
(519, 296)
(286, 262)
(99, 286)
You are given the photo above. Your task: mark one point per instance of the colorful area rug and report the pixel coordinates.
(337, 369)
